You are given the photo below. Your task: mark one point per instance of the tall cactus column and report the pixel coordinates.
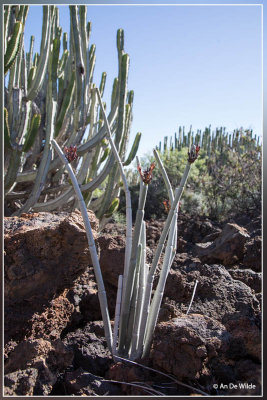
(50, 96)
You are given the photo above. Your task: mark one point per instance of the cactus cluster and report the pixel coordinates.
(50, 95)
(217, 140)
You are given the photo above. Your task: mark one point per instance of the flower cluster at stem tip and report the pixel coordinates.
(146, 175)
(193, 153)
(70, 153)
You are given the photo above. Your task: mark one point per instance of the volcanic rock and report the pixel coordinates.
(33, 366)
(82, 383)
(228, 248)
(44, 254)
(89, 348)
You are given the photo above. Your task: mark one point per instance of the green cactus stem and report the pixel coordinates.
(168, 255)
(67, 101)
(128, 248)
(44, 53)
(134, 149)
(13, 46)
(31, 76)
(157, 298)
(113, 207)
(32, 132)
(6, 130)
(117, 316)
(51, 105)
(29, 56)
(105, 154)
(136, 345)
(6, 25)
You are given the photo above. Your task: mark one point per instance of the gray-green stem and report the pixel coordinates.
(101, 288)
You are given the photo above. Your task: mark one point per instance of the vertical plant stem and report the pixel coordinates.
(192, 298)
(126, 189)
(169, 219)
(44, 53)
(117, 316)
(146, 301)
(129, 281)
(157, 298)
(164, 176)
(140, 299)
(159, 249)
(101, 288)
(134, 297)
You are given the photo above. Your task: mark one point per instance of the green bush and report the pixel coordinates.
(225, 180)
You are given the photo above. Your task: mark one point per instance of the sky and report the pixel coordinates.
(189, 65)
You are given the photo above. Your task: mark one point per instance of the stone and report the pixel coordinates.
(112, 251)
(192, 340)
(33, 366)
(54, 339)
(20, 382)
(82, 383)
(44, 254)
(89, 348)
(249, 277)
(205, 350)
(227, 249)
(217, 296)
(253, 253)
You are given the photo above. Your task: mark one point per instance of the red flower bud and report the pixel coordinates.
(146, 176)
(70, 153)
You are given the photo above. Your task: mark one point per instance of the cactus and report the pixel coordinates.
(219, 140)
(113, 207)
(32, 132)
(6, 130)
(134, 149)
(13, 46)
(47, 97)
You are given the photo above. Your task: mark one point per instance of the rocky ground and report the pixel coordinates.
(54, 339)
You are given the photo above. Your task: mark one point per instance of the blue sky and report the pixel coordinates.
(189, 65)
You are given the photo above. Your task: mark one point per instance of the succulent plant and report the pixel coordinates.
(219, 140)
(136, 310)
(51, 96)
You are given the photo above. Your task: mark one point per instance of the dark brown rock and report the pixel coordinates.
(82, 383)
(112, 251)
(218, 295)
(195, 229)
(246, 336)
(33, 366)
(84, 297)
(123, 372)
(57, 300)
(20, 383)
(89, 348)
(44, 254)
(192, 341)
(252, 254)
(228, 248)
(208, 352)
(251, 278)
